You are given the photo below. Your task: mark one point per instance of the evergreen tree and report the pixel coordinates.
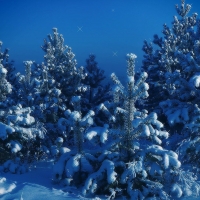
(20, 139)
(97, 92)
(8, 65)
(5, 86)
(173, 68)
(129, 161)
(135, 164)
(61, 65)
(74, 164)
(169, 55)
(20, 134)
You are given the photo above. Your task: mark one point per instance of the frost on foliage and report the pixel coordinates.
(176, 190)
(8, 64)
(101, 132)
(106, 171)
(134, 91)
(14, 146)
(175, 111)
(33, 90)
(77, 162)
(172, 61)
(42, 94)
(131, 172)
(188, 150)
(28, 72)
(134, 175)
(20, 117)
(5, 86)
(195, 81)
(21, 139)
(103, 114)
(61, 64)
(143, 167)
(186, 184)
(73, 166)
(5, 130)
(74, 121)
(183, 115)
(58, 78)
(96, 92)
(169, 158)
(137, 123)
(149, 126)
(24, 123)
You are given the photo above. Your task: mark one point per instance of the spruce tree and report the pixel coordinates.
(134, 163)
(129, 161)
(62, 65)
(98, 92)
(172, 63)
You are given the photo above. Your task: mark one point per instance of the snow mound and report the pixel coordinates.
(34, 192)
(6, 186)
(30, 186)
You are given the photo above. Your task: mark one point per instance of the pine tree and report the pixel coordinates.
(167, 56)
(173, 67)
(61, 65)
(19, 131)
(98, 92)
(8, 65)
(135, 164)
(74, 164)
(5, 86)
(22, 137)
(129, 161)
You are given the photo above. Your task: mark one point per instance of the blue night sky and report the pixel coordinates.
(108, 28)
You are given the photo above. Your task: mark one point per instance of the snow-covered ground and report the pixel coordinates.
(37, 184)
(33, 185)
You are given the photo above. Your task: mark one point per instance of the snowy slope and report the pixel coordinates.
(33, 185)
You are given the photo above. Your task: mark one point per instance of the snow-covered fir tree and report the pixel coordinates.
(165, 57)
(98, 92)
(27, 86)
(11, 76)
(8, 65)
(61, 81)
(62, 66)
(22, 137)
(5, 89)
(173, 67)
(129, 161)
(64, 76)
(74, 163)
(5, 86)
(20, 133)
